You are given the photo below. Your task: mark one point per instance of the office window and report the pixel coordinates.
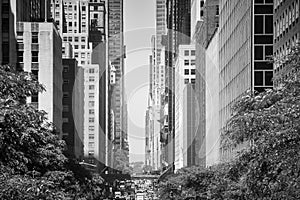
(193, 80)
(20, 56)
(91, 128)
(186, 80)
(65, 108)
(91, 136)
(186, 62)
(76, 46)
(268, 78)
(66, 81)
(70, 39)
(259, 24)
(269, 24)
(76, 54)
(91, 111)
(65, 68)
(193, 53)
(70, 24)
(91, 95)
(91, 71)
(65, 95)
(258, 78)
(91, 144)
(186, 72)
(91, 79)
(83, 46)
(65, 39)
(91, 119)
(193, 62)
(65, 120)
(193, 71)
(76, 39)
(83, 8)
(91, 103)
(268, 51)
(82, 39)
(35, 37)
(35, 56)
(186, 53)
(258, 53)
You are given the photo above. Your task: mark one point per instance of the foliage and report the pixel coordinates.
(121, 161)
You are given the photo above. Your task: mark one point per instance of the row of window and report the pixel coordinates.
(187, 80)
(189, 62)
(187, 71)
(74, 39)
(188, 52)
(289, 16)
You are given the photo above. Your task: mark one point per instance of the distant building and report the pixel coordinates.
(39, 51)
(287, 30)
(204, 30)
(185, 107)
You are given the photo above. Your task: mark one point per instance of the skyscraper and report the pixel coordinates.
(82, 24)
(116, 55)
(245, 41)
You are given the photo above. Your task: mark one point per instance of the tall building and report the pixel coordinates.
(185, 107)
(82, 24)
(73, 107)
(286, 30)
(116, 55)
(205, 28)
(39, 52)
(245, 41)
(212, 132)
(178, 24)
(11, 12)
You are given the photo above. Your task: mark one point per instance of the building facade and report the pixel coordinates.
(205, 28)
(185, 107)
(39, 51)
(286, 30)
(245, 40)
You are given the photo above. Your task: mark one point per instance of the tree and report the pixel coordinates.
(32, 163)
(270, 123)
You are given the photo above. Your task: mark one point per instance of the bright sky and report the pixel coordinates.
(139, 19)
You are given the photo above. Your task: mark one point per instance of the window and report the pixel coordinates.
(83, 39)
(91, 79)
(95, 16)
(268, 78)
(193, 62)
(91, 95)
(83, 46)
(193, 80)
(76, 46)
(268, 24)
(35, 37)
(65, 120)
(65, 95)
(258, 78)
(83, 8)
(76, 39)
(186, 72)
(91, 136)
(258, 53)
(193, 53)
(35, 56)
(76, 54)
(186, 53)
(65, 68)
(65, 108)
(20, 56)
(65, 39)
(91, 111)
(91, 71)
(63, 50)
(91, 128)
(193, 71)
(186, 62)
(268, 51)
(70, 39)
(186, 80)
(91, 119)
(258, 24)
(66, 81)
(91, 103)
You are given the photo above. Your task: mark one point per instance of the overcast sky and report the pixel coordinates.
(139, 19)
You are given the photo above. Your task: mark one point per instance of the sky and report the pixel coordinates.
(139, 26)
